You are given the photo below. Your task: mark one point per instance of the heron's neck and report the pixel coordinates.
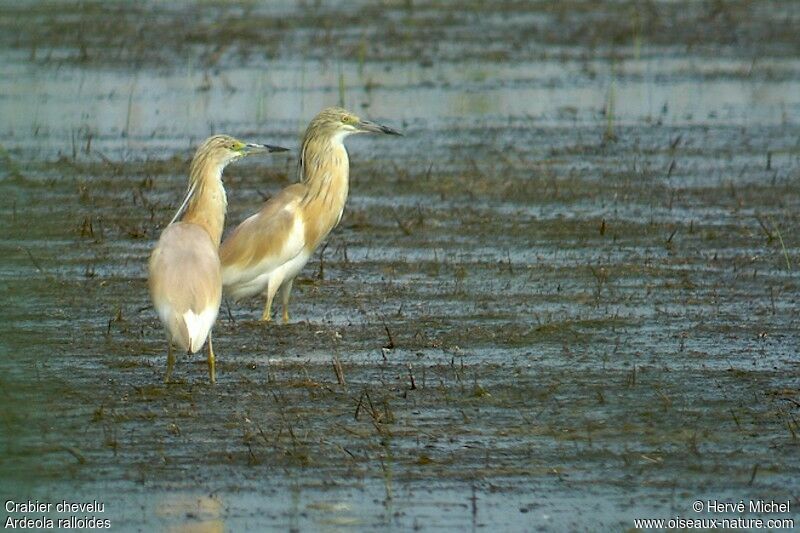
(208, 203)
(325, 171)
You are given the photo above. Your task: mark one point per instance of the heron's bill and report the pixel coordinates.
(372, 127)
(253, 148)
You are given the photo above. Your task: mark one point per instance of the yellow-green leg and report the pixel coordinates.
(266, 316)
(170, 362)
(286, 290)
(212, 372)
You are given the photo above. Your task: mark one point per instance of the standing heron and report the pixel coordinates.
(265, 252)
(185, 279)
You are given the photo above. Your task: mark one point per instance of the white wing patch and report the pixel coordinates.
(198, 326)
(249, 282)
(297, 239)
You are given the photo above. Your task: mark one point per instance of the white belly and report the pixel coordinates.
(291, 269)
(273, 278)
(270, 270)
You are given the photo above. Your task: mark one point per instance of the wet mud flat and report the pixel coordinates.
(566, 299)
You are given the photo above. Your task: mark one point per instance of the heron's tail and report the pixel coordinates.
(197, 327)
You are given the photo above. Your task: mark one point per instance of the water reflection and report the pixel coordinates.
(127, 110)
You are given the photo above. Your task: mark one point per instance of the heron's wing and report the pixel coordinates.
(266, 240)
(185, 283)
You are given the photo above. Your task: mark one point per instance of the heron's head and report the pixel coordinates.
(337, 123)
(220, 150)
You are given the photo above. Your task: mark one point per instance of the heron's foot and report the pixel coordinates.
(266, 318)
(285, 316)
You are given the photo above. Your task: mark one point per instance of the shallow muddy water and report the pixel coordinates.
(566, 299)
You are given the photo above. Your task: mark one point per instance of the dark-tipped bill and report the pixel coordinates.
(252, 148)
(371, 127)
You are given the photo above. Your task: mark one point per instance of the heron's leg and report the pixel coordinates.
(269, 293)
(170, 362)
(286, 290)
(212, 373)
(266, 315)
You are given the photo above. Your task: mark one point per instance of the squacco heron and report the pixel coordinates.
(266, 251)
(185, 276)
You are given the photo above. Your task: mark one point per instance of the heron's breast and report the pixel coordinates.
(324, 213)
